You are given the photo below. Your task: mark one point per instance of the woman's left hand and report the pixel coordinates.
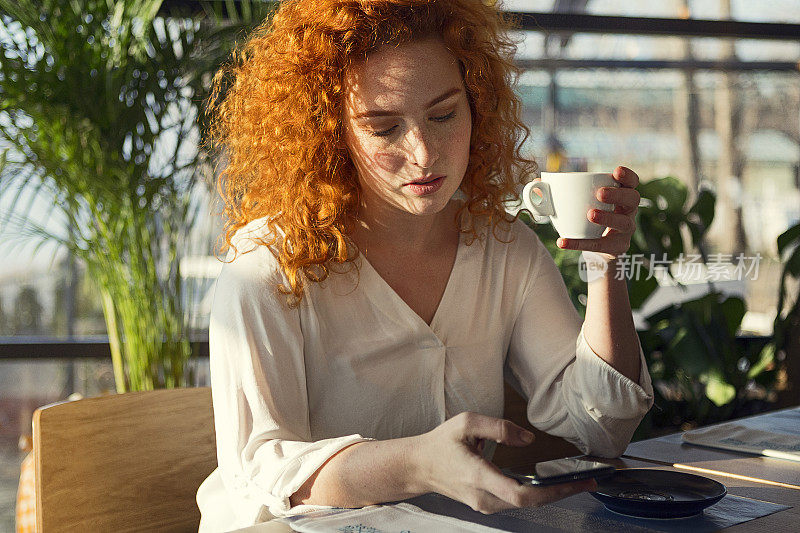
(620, 224)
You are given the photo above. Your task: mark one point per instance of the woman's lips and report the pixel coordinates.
(426, 179)
(426, 186)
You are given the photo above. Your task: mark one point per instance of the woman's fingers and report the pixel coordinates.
(619, 196)
(612, 243)
(448, 459)
(461, 473)
(489, 478)
(487, 503)
(615, 221)
(533, 496)
(539, 496)
(514, 494)
(626, 177)
(474, 426)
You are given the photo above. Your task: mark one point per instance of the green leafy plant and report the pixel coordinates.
(99, 106)
(667, 225)
(663, 223)
(785, 346)
(701, 370)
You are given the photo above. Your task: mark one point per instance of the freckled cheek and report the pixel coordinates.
(388, 162)
(463, 135)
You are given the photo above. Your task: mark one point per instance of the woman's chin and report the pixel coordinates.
(426, 206)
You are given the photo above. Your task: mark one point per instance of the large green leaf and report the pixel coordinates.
(789, 249)
(766, 358)
(720, 392)
(701, 215)
(667, 194)
(792, 264)
(733, 310)
(689, 352)
(790, 237)
(640, 291)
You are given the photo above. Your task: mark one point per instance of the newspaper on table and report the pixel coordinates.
(777, 435)
(439, 514)
(401, 517)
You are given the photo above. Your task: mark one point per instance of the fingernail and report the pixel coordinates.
(526, 436)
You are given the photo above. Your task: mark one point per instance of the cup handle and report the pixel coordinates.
(538, 206)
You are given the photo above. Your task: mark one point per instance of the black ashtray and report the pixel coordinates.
(650, 493)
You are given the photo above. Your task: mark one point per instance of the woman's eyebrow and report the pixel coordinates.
(389, 113)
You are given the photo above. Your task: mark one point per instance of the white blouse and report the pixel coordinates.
(293, 386)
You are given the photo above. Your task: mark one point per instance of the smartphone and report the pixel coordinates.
(560, 471)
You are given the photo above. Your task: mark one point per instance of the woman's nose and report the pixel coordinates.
(422, 150)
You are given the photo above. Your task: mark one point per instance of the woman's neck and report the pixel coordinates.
(397, 230)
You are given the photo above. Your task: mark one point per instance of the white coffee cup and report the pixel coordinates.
(566, 200)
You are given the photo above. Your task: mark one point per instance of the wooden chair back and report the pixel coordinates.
(123, 462)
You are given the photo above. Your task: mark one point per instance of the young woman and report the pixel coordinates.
(376, 294)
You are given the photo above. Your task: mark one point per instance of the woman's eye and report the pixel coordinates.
(443, 118)
(384, 133)
(387, 132)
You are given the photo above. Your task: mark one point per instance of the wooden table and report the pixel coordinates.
(786, 520)
(749, 476)
(671, 450)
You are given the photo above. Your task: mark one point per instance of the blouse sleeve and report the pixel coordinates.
(264, 446)
(571, 392)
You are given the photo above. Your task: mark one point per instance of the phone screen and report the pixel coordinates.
(561, 471)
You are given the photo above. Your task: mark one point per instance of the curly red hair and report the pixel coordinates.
(275, 115)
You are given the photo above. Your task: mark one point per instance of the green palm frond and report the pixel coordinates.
(100, 103)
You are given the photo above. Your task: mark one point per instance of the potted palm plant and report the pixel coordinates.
(100, 102)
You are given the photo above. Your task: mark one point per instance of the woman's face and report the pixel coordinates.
(407, 125)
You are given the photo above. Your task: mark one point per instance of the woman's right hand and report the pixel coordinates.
(448, 460)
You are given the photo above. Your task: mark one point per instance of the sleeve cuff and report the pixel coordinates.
(298, 470)
(606, 393)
